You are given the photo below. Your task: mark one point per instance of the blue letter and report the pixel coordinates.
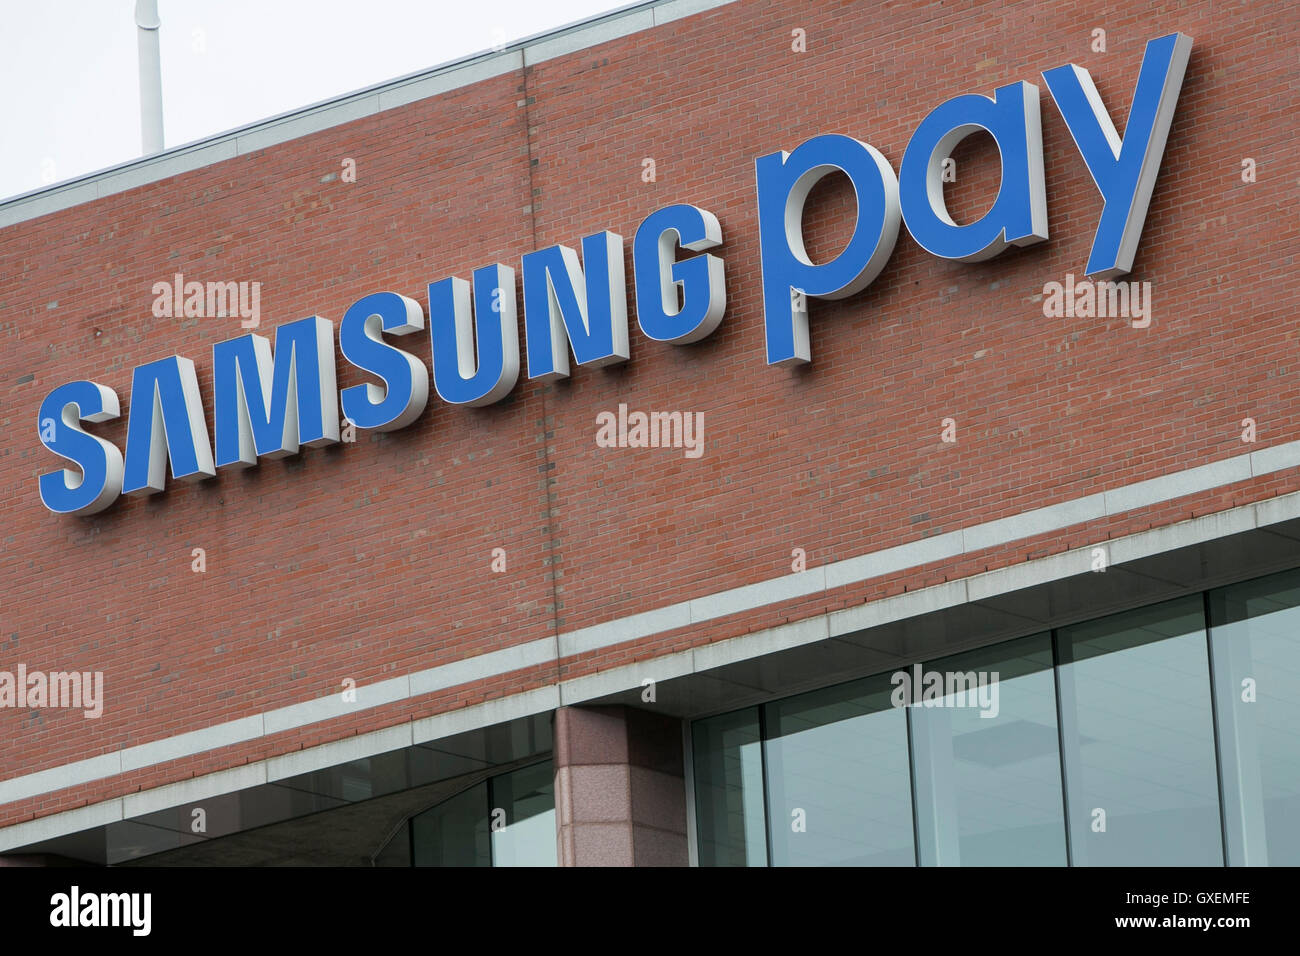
(789, 276)
(66, 492)
(255, 413)
(658, 275)
(593, 312)
(405, 391)
(1124, 171)
(1018, 216)
(166, 422)
(457, 375)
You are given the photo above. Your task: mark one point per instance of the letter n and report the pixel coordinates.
(590, 309)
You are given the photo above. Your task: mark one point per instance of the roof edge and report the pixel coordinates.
(347, 107)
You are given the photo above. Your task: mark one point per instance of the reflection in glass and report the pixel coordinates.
(728, 766)
(506, 820)
(524, 801)
(1255, 640)
(987, 766)
(1138, 735)
(839, 782)
(454, 833)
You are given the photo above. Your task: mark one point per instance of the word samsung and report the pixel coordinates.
(268, 402)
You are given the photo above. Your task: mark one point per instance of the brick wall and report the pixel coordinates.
(371, 560)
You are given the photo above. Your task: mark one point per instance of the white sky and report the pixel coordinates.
(69, 95)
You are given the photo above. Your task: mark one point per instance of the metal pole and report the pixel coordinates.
(151, 116)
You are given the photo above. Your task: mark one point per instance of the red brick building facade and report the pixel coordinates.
(373, 562)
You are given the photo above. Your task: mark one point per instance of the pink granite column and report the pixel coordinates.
(620, 794)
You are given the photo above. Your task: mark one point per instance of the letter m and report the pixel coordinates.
(1116, 299)
(223, 299)
(65, 688)
(116, 909)
(961, 683)
(665, 429)
(269, 407)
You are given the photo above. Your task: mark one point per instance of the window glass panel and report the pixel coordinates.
(1139, 739)
(454, 833)
(1255, 629)
(987, 760)
(838, 778)
(397, 851)
(526, 797)
(730, 821)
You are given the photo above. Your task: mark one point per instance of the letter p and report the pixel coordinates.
(790, 278)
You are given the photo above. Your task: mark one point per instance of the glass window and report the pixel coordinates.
(728, 764)
(1136, 725)
(454, 833)
(839, 784)
(506, 820)
(986, 757)
(1141, 738)
(1255, 640)
(523, 817)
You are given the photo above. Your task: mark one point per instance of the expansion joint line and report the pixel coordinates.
(552, 538)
